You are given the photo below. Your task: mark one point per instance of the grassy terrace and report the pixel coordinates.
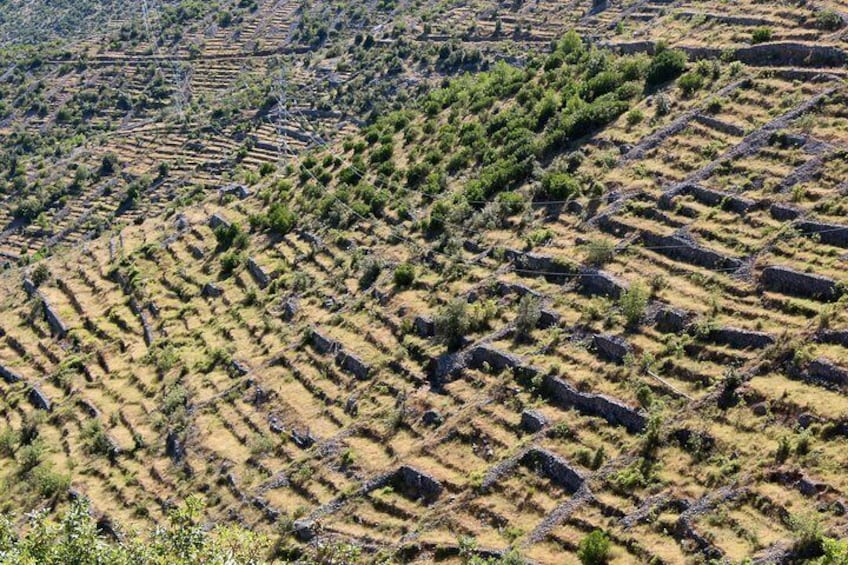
(587, 290)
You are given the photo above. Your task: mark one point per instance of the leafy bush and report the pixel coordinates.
(404, 275)
(594, 549)
(634, 117)
(599, 251)
(281, 219)
(633, 303)
(666, 65)
(690, 83)
(40, 274)
(453, 323)
(529, 312)
(230, 236)
(829, 20)
(560, 186)
(75, 539)
(761, 35)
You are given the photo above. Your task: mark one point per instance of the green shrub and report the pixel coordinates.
(633, 303)
(560, 186)
(666, 65)
(404, 275)
(690, 83)
(761, 35)
(40, 274)
(634, 117)
(594, 549)
(453, 323)
(529, 312)
(828, 20)
(599, 251)
(281, 219)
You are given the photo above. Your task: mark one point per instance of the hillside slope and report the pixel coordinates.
(435, 282)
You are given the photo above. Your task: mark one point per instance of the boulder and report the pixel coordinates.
(783, 212)
(211, 290)
(424, 326)
(10, 376)
(238, 368)
(323, 344)
(598, 283)
(548, 318)
(554, 467)
(796, 283)
(290, 309)
(311, 238)
(683, 249)
(726, 200)
(304, 529)
(196, 251)
(613, 411)
(838, 337)
(671, 320)
(610, 347)
(418, 484)
(825, 371)
(174, 447)
(262, 278)
(303, 440)
(532, 421)
(486, 355)
(38, 399)
(29, 287)
(57, 326)
(217, 220)
(432, 418)
(352, 364)
(536, 264)
(238, 190)
(740, 339)
(831, 234)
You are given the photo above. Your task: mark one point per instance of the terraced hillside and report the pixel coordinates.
(476, 283)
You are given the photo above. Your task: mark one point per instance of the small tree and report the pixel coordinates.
(633, 303)
(594, 549)
(452, 323)
(529, 312)
(665, 66)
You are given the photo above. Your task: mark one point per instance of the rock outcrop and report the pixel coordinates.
(532, 421)
(611, 348)
(262, 278)
(740, 339)
(417, 484)
(831, 234)
(553, 467)
(9, 376)
(613, 411)
(38, 399)
(789, 281)
(598, 283)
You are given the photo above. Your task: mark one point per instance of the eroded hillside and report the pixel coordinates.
(438, 281)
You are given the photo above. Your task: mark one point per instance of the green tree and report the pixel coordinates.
(453, 323)
(594, 549)
(666, 65)
(529, 312)
(633, 303)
